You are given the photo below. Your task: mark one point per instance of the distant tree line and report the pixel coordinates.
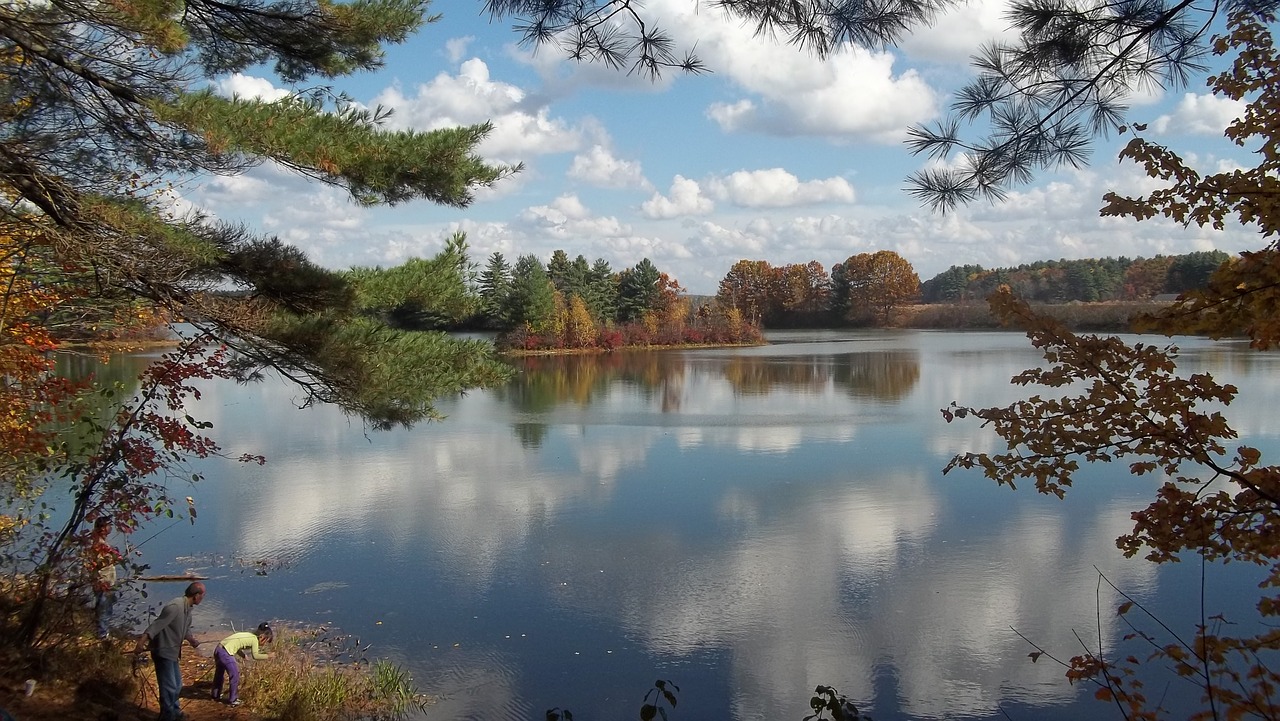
(561, 305)
(1088, 280)
(576, 304)
(863, 290)
(869, 288)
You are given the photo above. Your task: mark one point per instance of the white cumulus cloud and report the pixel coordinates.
(853, 93)
(1200, 115)
(777, 188)
(684, 198)
(472, 97)
(599, 166)
(247, 86)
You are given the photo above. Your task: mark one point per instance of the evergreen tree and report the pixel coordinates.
(1037, 102)
(1192, 271)
(950, 285)
(532, 297)
(602, 291)
(558, 270)
(495, 286)
(838, 298)
(420, 294)
(579, 283)
(107, 104)
(1081, 282)
(638, 290)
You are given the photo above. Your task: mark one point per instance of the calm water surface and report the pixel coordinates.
(747, 523)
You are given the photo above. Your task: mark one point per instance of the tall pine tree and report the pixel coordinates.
(106, 104)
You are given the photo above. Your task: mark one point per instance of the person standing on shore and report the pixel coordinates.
(103, 559)
(163, 638)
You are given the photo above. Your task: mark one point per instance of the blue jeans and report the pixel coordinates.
(169, 678)
(103, 602)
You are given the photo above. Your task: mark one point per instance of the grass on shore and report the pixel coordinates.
(301, 682)
(1102, 317)
(309, 675)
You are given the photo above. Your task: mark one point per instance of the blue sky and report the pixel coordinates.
(775, 155)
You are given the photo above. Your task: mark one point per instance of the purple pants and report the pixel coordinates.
(224, 662)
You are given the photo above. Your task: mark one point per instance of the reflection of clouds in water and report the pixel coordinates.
(1252, 414)
(765, 439)
(827, 586)
(778, 599)
(836, 573)
(873, 525)
(1037, 576)
(420, 491)
(604, 460)
(768, 440)
(403, 497)
(964, 435)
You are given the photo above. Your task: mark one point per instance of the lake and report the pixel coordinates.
(747, 523)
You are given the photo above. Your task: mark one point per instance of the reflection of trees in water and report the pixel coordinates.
(531, 435)
(118, 368)
(122, 369)
(882, 375)
(761, 376)
(544, 382)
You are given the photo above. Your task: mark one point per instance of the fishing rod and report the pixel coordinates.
(176, 521)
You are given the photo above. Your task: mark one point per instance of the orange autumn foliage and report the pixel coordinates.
(1115, 402)
(32, 399)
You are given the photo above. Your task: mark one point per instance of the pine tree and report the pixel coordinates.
(637, 290)
(106, 104)
(558, 269)
(495, 286)
(532, 297)
(602, 293)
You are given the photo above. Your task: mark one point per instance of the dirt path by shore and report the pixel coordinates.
(61, 702)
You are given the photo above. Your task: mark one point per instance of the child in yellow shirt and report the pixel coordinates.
(224, 657)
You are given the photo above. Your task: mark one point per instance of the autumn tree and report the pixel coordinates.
(34, 402)
(878, 283)
(106, 105)
(579, 327)
(669, 308)
(1146, 277)
(1115, 402)
(749, 287)
(803, 290)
